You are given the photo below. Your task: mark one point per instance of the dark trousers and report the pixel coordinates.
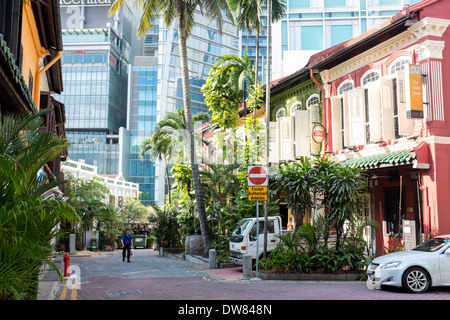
(126, 251)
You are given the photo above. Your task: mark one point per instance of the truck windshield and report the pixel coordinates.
(241, 227)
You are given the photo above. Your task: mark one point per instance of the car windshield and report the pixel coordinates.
(241, 227)
(432, 244)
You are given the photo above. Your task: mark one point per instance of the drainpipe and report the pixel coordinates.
(37, 88)
(326, 101)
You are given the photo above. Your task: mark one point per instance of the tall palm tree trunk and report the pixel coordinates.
(266, 204)
(256, 77)
(166, 162)
(206, 233)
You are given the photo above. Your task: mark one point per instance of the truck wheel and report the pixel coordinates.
(415, 280)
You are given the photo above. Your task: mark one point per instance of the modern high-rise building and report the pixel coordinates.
(97, 52)
(313, 25)
(141, 121)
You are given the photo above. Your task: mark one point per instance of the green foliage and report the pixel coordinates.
(132, 210)
(221, 99)
(166, 226)
(29, 214)
(297, 179)
(339, 188)
(305, 252)
(226, 87)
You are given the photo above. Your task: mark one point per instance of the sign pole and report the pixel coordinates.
(257, 240)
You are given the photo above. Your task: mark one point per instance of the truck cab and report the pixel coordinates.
(243, 239)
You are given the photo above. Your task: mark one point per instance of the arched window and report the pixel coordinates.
(370, 76)
(281, 113)
(399, 64)
(312, 100)
(346, 85)
(297, 105)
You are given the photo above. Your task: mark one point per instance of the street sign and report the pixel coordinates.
(258, 181)
(258, 176)
(318, 133)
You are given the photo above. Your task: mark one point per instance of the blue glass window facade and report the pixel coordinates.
(143, 110)
(95, 96)
(312, 37)
(341, 33)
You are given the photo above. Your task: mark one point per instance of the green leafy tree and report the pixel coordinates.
(226, 87)
(132, 210)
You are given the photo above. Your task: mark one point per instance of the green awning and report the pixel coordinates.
(389, 159)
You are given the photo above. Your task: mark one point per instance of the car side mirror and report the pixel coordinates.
(447, 252)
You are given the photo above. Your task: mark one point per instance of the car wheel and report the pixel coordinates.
(416, 280)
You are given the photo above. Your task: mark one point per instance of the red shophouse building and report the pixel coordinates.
(387, 110)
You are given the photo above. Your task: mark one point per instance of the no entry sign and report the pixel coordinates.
(258, 176)
(258, 180)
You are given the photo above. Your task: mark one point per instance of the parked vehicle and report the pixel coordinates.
(243, 239)
(415, 270)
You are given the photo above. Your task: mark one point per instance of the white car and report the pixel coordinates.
(415, 270)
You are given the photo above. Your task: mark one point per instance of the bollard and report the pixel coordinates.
(246, 266)
(66, 265)
(72, 243)
(212, 259)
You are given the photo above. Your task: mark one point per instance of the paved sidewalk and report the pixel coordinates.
(227, 273)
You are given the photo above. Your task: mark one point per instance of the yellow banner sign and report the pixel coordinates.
(414, 108)
(259, 197)
(257, 193)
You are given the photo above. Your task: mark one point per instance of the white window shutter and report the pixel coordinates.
(336, 117)
(293, 135)
(315, 117)
(302, 133)
(374, 95)
(356, 117)
(346, 115)
(405, 125)
(387, 109)
(285, 138)
(273, 143)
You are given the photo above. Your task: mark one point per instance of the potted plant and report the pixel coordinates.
(150, 241)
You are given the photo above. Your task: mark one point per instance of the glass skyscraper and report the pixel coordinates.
(97, 51)
(96, 97)
(140, 126)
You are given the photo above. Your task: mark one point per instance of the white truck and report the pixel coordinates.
(243, 239)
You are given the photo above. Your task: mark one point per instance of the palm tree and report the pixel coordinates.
(167, 138)
(183, 12)
(28, 213)
(248, 16)
(160, 146)
(297, 179)
(242, 72)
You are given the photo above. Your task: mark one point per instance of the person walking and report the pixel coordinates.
(127, 244)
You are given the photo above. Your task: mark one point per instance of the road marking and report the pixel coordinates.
(73, 296)
(63, 293)
(134, 272)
